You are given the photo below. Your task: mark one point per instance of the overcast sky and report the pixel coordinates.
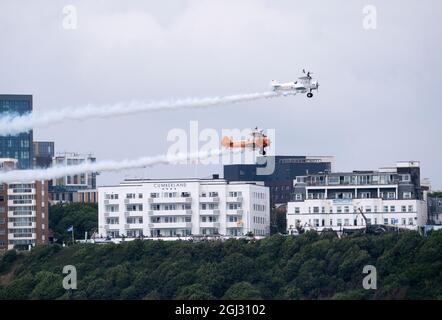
(379, 100)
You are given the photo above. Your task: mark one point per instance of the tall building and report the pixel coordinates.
(18, 146)
(43, 154)
(434, 210)
(23, 212)
(65, 189)
(183, 207)
(278, 173)
(389, 196)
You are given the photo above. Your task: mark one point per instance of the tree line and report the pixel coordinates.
(309, 266)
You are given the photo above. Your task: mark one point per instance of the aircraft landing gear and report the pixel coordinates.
(309, 95)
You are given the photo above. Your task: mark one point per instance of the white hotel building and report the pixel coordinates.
(183, 207)
(389, 196)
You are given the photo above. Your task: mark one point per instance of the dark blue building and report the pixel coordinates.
(18, 146)
(278, 177)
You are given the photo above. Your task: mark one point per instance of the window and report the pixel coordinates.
(385, 208)
(339, 222)
(385, 221)
(392, 208)
(346, 209)
(365, 195)
(333, 180)
(391, 195)
(346, 222)
(323, 210)
(404, 221)
(297, 210)
(410, 221)
(410, 208)
(134, 220)
(298, 196)
(339, 209)
(407, 195)
(367, 208)
(404, 208)
(315, 209)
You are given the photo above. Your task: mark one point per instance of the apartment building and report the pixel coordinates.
(183, 207)
(389, 196)
(23, 212)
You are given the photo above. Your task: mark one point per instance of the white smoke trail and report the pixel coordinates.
(13, 124)
(89, 167)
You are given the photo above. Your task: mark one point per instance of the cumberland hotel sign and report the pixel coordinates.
(169, 186)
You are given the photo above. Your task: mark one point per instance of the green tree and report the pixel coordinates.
(195, 292)
(242, 291)
(83, 217)
(49, 286)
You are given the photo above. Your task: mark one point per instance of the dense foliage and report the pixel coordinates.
(309, 266)
(83, 217)
(278, 220)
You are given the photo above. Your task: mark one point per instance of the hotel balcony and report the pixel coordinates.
(209, 225)
(133, 201)
(170, 225)
(209, 199)
(131, 226)
(235, 199)
(156, 213)
(238, 212)
(112, 214)
(214, 212)
(237, 224)
(170, 200)
(112, 201)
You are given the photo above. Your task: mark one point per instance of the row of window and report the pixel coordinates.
(139, 220)
(355, 222)
(354, 179)
(259, 195)
(173, 207)
(259, 207)
(233, 194)
(350, 195)
(346, 209)
(259, 220)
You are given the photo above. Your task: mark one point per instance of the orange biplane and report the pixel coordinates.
(258, 140)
